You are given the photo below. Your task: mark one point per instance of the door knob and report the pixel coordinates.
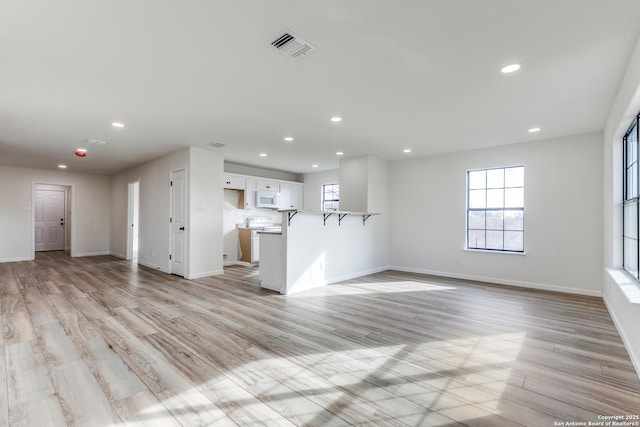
(181, 228)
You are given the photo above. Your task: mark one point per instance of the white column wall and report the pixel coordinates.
(205, 219)
(153, 232)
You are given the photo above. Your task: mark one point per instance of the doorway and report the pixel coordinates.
(133, 221)
(51, 214)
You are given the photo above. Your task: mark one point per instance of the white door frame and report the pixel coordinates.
(74, 205)
(186, 234)
(133, 221)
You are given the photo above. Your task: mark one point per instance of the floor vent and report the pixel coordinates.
(292, 45)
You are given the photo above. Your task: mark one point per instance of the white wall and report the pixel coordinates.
(318, 254)
(619, 288)
(261, 172)
(563, 215)
(153, 232)
(204, 212)
(313, 183)
(205, 219)
(90, 211)
(354, 184)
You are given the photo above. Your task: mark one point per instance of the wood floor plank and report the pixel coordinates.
(81, 399)
(36, 413)
(16, 320)
(27, 374)
(103, 342)
(143, 409)
(186, 403)
(4, 397)
(238, 404)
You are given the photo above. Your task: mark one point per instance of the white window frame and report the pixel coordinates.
(329, 200)
(504, 209)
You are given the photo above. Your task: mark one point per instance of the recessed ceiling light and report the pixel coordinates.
(82, 150)
(510, 68)
(62, 166)
(314, 166)
(336, 119)
(406, 150)
(288, 138)
(534, 130)
(117, 124)
(263, 154)
(339, 153)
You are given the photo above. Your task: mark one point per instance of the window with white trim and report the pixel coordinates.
(630, 200)
(330, 197)
(495, 209)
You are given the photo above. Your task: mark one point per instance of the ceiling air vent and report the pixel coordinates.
(95, 141)
(292, 45)
(216, 144)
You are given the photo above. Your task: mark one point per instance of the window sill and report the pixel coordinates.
(486, 251)
(627, 284)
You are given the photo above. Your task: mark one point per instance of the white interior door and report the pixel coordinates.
(50, 220)
(178, 221)
(134, 214)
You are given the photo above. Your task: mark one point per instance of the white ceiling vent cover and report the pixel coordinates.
(95, 141)
(292, 45)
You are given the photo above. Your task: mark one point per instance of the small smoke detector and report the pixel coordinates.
(292, 45)
(95, 141)
(216, 144)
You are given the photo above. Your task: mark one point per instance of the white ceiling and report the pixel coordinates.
(422, 74)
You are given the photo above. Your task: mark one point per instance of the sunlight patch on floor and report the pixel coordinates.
(365, 288)
(462, 380)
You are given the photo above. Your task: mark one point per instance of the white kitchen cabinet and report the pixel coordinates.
(290, 195)
(267, 184)
(270, 270)
(233, 182)
(297, 196)
(250, 193)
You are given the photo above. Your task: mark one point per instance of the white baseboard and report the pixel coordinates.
(19, 259)
(153, 266)
(242, 263)
(117, 255)
(635, 358)
(75, 255)
(206, 274)
(531, 285)
(336, 279)
(355, 275)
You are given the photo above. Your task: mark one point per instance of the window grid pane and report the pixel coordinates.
(330, 197)
(495, 209)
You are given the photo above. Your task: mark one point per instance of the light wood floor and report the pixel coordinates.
(100, 342)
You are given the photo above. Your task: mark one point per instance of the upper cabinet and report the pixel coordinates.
(233, 182)
(291, 194)
(250, 193)
(267, 184)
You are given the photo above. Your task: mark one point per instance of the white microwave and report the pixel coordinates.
(266, 199)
